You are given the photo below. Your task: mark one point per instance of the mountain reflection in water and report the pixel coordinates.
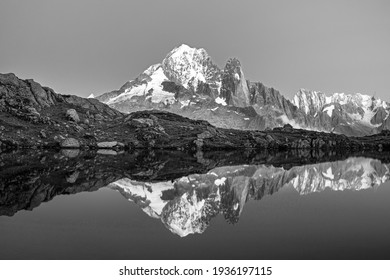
(185, 191)
(315, 211)
(187, 204)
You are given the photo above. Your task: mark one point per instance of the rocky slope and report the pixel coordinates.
(32, 115)
(188, 83)
(35, 116)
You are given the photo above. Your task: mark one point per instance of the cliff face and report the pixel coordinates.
(274, 108)
(234, 85)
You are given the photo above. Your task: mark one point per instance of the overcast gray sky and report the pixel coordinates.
(91, 46)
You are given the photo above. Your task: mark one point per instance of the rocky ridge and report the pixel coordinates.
(348, 114)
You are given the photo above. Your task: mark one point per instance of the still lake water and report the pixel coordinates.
(169, 205)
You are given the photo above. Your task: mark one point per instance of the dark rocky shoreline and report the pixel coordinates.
(163, 130)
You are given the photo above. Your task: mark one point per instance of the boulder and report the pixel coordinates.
(72, 115)
(111, 144)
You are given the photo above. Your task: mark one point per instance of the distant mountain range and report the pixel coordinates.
(188, 83)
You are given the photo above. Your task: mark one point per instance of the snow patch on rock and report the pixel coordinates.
(220, 182)
(329, 110)
(151, 88)
(221, 101)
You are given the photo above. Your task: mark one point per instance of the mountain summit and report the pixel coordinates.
(187, 82)
(191, 68)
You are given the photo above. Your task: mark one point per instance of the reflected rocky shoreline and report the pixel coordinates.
(186, 205)
(184, 190)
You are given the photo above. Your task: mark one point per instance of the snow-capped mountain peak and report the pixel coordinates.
(184, 64)
(188, 66)
(188, 83)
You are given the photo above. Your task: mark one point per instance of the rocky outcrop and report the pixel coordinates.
(380, 116)
(234, 85)
(27, 96)
(32, 115)
(386, 124)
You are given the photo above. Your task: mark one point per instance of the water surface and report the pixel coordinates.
(172, 205)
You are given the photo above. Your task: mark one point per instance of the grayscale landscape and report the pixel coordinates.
(223, 130)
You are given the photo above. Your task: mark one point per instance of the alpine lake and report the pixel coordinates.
(156, 204)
